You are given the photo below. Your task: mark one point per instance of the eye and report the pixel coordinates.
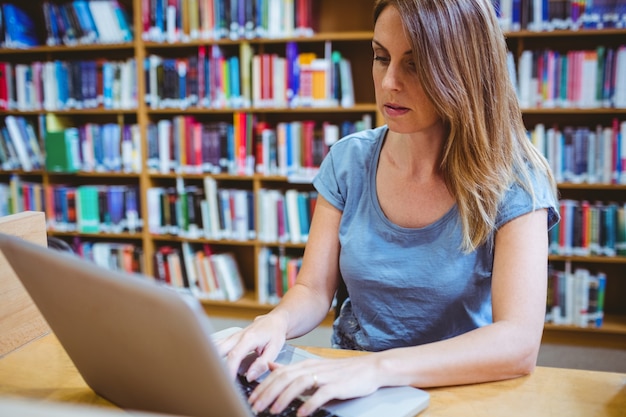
(381, 59)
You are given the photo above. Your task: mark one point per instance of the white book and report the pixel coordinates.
(171, 31)
(104, 21)
(240, 215)
(137, 158)
(588, 97)
(281, 147)
(347, 83)
(227, 271)
(210, 192)
(262, 276)
(539, 138)
(279, 81)
(525, 73)
(164, 129)
(256, 81)
(289, 23)
(19, 142)
(275, 27)
(128, 82)
(49, 82)
(87, 149)
(21, 95)
(619, 99)
(506, 14)
(101, 252)
(293, 215)
(154, 196)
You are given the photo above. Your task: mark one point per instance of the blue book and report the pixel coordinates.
(62, 75)
(235, 81)
(115, 206)
(108, 74)
(516, 15)
(98, 147)
(52, 27)
(85, 19)
(159, 20)
(132, 211)
(293, 71)
(70, 35)
(304, 215)
(123, 21)
(20, 30)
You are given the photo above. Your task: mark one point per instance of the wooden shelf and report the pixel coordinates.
(353, 37)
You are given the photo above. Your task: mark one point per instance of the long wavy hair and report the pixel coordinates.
(461, 54)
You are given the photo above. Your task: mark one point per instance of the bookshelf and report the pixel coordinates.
(351, 37)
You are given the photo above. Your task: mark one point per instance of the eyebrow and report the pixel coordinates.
(380, 45)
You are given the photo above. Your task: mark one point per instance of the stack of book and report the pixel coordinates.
(544, 15)
(589, 228)
(64, 85)
(582, 154)
(233, 19)
(213, 78)
(593, 78)
(576, 298)
(86, 22)
(200, 270)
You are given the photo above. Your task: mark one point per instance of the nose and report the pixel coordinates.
(392, 79)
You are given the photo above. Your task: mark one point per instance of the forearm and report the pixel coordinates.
(302, 309)
(498, 351)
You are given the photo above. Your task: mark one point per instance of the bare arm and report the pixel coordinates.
(303, 307)
(505, 349)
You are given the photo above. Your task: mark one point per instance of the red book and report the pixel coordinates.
(308, 134)
(201, 75)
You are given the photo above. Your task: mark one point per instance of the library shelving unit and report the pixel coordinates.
(612, 333)
(347, 26)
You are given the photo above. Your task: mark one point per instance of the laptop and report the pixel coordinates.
(143, 346)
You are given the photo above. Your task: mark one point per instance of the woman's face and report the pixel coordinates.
(399, 95)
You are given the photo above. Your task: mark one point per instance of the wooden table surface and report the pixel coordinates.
(42, 370)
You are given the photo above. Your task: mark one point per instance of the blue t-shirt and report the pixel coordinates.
(407, 286)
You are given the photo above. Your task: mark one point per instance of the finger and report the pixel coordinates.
(305, 382)
(225, 344)
(261, 364)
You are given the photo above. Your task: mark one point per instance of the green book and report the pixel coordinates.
(62, 150)
(87, 209)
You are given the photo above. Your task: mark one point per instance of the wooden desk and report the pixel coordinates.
(42, 370)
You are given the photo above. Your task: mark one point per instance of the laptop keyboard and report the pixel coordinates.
(248, 386)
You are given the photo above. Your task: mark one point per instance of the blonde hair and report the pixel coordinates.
(461, 55)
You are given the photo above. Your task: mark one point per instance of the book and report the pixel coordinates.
(229, 276)
(62, 150)
(19, 27)
(87, 209)
(20, 141)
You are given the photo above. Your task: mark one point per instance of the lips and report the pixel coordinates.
(395, 110)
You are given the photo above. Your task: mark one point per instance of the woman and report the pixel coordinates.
(437, 222)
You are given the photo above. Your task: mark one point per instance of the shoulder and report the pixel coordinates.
(523, 197)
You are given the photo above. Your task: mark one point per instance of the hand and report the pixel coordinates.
(323, 379)
(265, 337)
